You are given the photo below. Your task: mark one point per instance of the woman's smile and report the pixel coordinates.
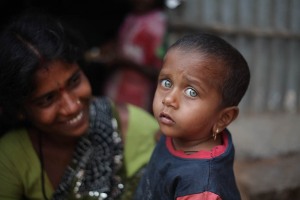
(75, 119)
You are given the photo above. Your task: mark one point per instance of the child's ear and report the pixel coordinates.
(227, 116)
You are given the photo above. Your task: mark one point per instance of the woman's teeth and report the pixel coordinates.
(76, 119)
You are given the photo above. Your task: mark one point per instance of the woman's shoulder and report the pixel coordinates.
(140, 138)
(13, 137)
(143, 116)
(16, 143)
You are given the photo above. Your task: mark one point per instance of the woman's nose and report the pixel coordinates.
(69, 104)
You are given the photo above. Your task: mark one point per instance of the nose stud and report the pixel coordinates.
(78, 102)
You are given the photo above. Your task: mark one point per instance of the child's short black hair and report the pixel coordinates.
(234, 78)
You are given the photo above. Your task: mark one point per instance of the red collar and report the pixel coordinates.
(203, 154)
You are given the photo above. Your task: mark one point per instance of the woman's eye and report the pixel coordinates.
(191, 92)
(74, 81)
(166, 83)
(46, 101)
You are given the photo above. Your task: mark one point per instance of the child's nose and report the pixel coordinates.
(171, 99)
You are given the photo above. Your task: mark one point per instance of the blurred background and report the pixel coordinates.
(267, 33)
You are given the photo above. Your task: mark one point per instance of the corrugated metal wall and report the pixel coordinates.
(267, 32)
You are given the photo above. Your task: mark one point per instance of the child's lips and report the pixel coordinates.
(166, 119)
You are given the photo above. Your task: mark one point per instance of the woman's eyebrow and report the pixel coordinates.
(42, 96)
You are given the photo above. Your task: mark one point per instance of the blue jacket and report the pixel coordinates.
(173, 175)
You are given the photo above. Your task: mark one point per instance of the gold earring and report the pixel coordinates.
(215, 134)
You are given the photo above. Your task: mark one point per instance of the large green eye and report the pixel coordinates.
(191, 92)
(166, 83)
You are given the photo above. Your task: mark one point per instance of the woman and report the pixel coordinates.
(61, 142)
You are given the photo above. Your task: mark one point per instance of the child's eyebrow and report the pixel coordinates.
(164, 73)
(198, 82)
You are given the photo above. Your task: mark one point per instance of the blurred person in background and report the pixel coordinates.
(135, 55)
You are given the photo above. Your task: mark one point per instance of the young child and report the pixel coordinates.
(200, 85)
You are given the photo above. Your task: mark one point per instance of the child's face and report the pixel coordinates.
(187, 103)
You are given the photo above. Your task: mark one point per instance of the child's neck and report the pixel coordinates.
(189, 147)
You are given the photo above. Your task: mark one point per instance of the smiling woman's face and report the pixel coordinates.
(60, 102)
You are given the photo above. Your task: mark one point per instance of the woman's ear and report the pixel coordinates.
(227, 116)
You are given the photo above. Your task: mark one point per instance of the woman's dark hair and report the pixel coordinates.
(233, 75)
(30, 42)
